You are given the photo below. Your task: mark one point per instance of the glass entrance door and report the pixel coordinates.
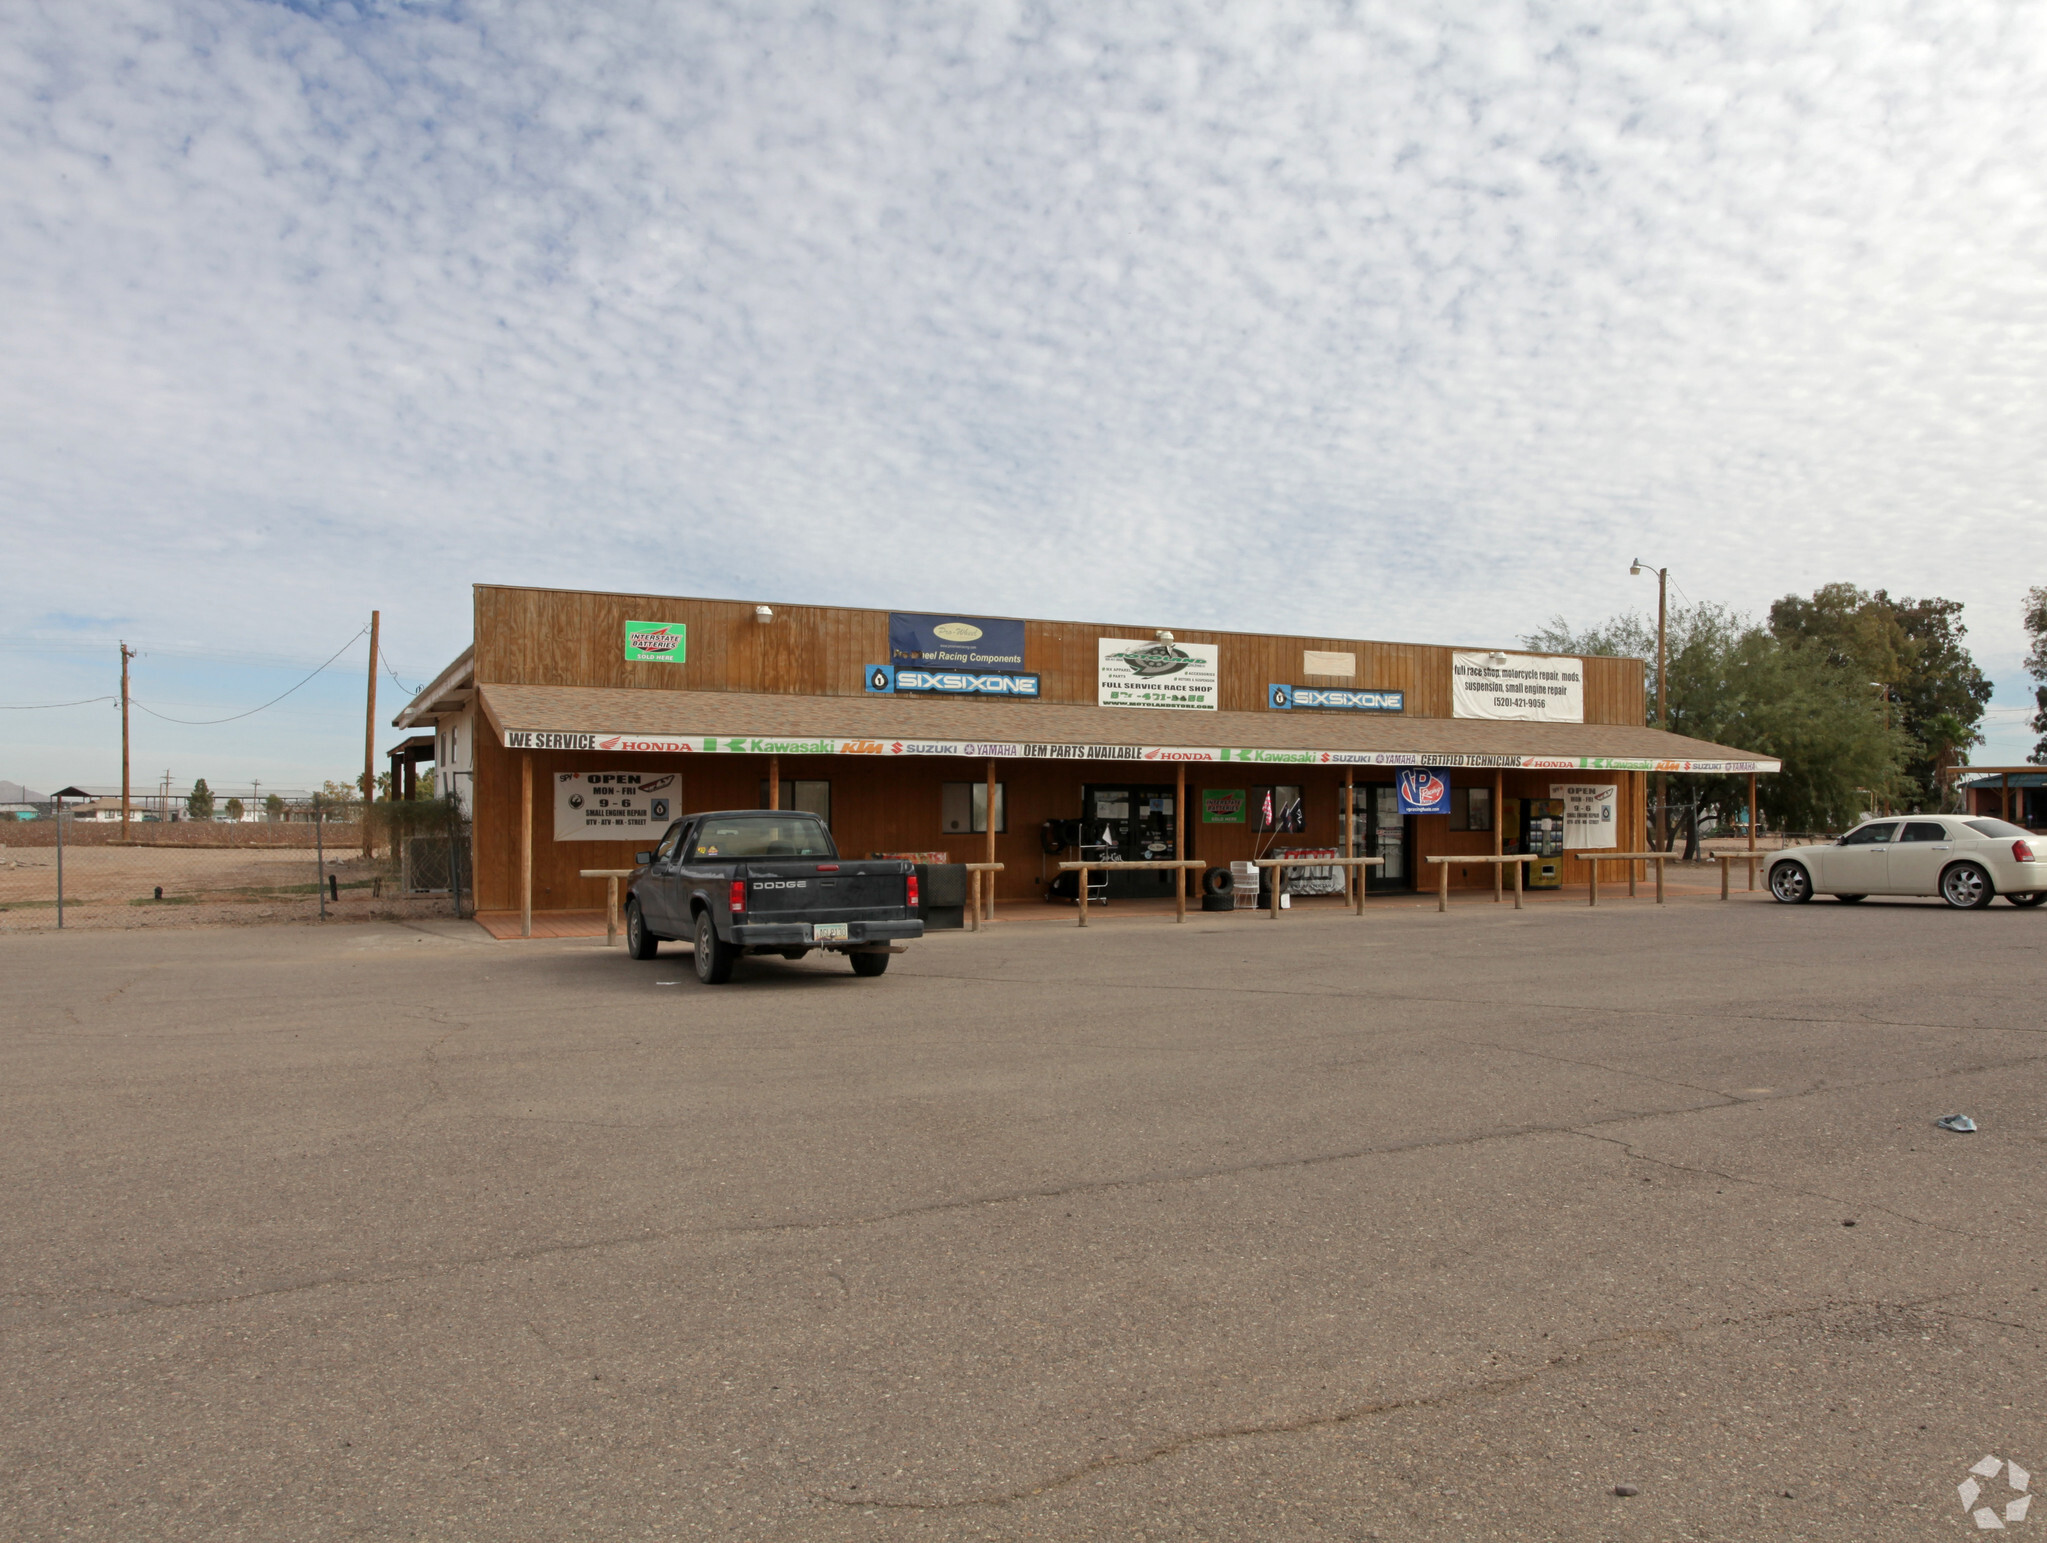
(1382, 833)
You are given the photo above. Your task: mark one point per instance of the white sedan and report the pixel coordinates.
(1967, 862)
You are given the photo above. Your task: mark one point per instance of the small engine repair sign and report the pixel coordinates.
(612, 806)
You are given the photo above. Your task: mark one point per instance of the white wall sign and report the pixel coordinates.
(613, 805)
(1591, 814)
(1540, 688)
(1133, 673)
(1316, 662)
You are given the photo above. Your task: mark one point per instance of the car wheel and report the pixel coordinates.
(639, 942)
(1851, 899)
(2034, 898)
(869, 965)
(1790, 883)
(714, 955)
(1967, 887)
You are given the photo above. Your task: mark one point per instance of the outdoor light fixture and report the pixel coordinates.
(763, 614)
(1496, 657)
(1163, 636)
(1635, 568)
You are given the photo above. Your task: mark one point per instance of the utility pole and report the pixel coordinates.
(127, 653)
(369, 739)
(1662, 712)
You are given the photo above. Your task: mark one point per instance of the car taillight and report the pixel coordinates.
(913, 892)
(2022, 851)
(735, 902)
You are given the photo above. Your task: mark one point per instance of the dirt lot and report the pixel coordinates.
(108, 886)
(1395, 1228)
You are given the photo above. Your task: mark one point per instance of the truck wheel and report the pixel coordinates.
(869, 965)
(639, 942)
(714, 956)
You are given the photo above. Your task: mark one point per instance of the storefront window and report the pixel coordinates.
(813, 797)
(964, 808)
(1471, 808)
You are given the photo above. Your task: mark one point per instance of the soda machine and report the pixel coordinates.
(1542, 837)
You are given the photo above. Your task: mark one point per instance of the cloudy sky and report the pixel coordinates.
(1380, 319)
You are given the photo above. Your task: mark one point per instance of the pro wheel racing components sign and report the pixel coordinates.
(971, 643)
(664, 642)
(1591, 814)
(612, 805)
(1423, 791)
(1530, 688)
(1130, 672)
(888, 679)
(1334, 699)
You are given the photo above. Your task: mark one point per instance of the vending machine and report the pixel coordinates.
(1542, 837)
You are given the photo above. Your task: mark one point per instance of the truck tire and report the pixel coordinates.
(869, 965)
(1218, 902)
(714, 955)
(639, 942)
(1218, 881)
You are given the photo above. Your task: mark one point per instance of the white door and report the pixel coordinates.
(1922, 849)
(1860, 865)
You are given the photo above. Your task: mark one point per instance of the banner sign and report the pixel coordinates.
(1130, 672)
(664, 642)
(612, 806)
(1591, 814)
(955, 642)
(1222, 806)
(1334, 699)
(888, 679)
(1423, 790)
(712, 744)
(1531, 688)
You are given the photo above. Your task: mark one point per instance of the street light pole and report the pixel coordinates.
(1662, 700)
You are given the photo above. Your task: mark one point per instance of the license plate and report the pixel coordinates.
(831, 932)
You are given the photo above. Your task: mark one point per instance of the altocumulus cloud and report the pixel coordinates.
(1373, 318)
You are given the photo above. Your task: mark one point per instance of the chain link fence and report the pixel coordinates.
(415, 862)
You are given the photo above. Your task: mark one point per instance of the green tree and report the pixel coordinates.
(426, 784)
(1911, 657)
(199, 803)
(273, 806)
(234, 809)
(1733, 682)
(2036, 666)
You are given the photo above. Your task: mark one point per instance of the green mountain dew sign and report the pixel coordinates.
(664, 642)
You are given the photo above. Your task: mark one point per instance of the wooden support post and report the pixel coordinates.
(1443, 888)
(1350, 836)
(1593, 864)
(989, 892)
(1723, 876)
(1639, 821)
(1517, 885)
(369, 741)
(1080, 894)
(1180, 832)
(1361, 891)
(1499, 836)
(610, 911)
(1659, 878)
(526, 845)
(774, 782)
(1751, 836)
(1278, 883)
(974, 900)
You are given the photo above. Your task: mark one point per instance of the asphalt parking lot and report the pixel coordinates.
(1403, 1227)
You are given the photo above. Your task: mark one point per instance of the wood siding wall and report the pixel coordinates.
(544, 637)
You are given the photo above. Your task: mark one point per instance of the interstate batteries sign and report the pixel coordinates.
(888, 679)
(742, 744)
(1130, 672)
(663, 642)
(1339, 699)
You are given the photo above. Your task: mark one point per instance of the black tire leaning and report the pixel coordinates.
(1218, 881)
(1218, 902)
(1790, 884)
(1967, 886)
(869, 965)
(714, 954)
(2034, 898)
(639, 942)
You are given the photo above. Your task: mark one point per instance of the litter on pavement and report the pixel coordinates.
(1956, 1122)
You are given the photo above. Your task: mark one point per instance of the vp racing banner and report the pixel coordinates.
(720, 744)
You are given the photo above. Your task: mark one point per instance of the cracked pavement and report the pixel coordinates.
(1402, 1227)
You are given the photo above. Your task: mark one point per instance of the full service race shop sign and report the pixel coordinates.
(612, 806)
(1534, 688)
(1591, 814)
(1130, 672)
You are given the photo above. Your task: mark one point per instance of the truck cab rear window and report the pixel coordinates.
(764, 835)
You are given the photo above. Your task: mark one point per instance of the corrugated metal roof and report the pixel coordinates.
(720, 721)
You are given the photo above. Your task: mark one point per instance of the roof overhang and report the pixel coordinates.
(741, 723)
(448, 692)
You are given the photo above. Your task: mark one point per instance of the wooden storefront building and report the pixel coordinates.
(728, 694)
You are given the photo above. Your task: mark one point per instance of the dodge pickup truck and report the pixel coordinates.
(765, 881)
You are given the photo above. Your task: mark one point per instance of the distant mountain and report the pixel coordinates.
(15, 793)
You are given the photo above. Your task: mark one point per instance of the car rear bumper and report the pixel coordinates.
(797, 934)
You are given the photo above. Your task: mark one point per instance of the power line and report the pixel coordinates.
(232, 717)
(36, 707)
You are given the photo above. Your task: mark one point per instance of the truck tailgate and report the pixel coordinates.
(845, 891)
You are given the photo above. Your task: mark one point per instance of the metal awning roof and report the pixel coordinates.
(743, 723)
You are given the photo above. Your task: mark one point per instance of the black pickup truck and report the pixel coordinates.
(765, 881)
